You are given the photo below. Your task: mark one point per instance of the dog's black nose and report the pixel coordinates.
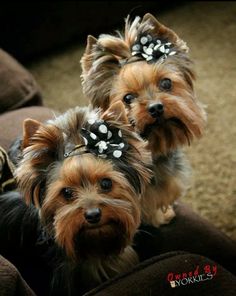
(156, 109)
(93, 215)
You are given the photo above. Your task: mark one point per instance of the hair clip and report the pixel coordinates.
(152, 49)
(103, 140)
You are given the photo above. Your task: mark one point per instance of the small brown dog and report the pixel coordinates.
(85, 173)
(149, 69)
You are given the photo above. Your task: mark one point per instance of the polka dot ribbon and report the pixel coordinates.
(103, 140)
(152, 49)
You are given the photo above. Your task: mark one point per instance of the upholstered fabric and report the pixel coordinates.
(11, 282)
(154, 276)
(11, 123)
(188, 232)
(18, 88)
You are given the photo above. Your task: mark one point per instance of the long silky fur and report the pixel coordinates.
(103, 65)
(22, 213)
(19, 223)
(23, 242)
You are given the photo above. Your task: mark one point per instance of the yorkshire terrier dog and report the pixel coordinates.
(82, 176)
(149, 69)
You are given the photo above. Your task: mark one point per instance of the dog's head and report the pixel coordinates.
(85, 172)
(149, 69)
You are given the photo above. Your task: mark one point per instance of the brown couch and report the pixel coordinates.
(169, 255)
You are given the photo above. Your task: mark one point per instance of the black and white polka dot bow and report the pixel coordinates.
(152, 49)
(103, 140)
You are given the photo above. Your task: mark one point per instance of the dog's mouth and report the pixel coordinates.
(99, 226)
(160, 122)
(166, 125)
(100, 240)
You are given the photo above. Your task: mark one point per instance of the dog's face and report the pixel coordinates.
(160, 102)
(155, 84)
(88, 204)
(90, 207)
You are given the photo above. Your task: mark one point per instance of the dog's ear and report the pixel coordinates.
(91, 40)
(115, 46)
(116, 112)
(30, 126)
(151, 24)
(44, 140)
(87, 59)
(42, 144)
(100, 65)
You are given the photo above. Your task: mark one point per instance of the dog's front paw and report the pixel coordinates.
(168, 215)
(163, 217)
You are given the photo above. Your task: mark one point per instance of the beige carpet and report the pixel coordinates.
(210, 31)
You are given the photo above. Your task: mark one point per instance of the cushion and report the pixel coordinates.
(157, 276)
(187, 232)
(18, 87)
(11, 123)
(11, 282)
(7, 168)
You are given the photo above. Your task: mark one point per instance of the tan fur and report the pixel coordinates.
(161, 198)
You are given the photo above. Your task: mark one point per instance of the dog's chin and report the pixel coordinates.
(148, 129)
(100, 241)
(165, 134)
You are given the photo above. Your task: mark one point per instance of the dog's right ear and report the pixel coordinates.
(100, 65)
(30, 126)
(87, 59)
(91, 40)
(44, 137)
(42, 145)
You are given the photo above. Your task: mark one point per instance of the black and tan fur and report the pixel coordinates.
(110, 72)
(58, 192)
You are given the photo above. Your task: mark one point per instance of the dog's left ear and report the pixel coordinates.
(161, 31)
(116, 112)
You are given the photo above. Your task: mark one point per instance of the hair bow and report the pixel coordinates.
(103, 140)
(152, 49)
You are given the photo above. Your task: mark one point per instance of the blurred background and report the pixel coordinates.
(49, 40)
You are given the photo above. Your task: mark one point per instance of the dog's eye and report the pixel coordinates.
(128, 98)
(106, 184)
(165, 84)
(67, 193)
